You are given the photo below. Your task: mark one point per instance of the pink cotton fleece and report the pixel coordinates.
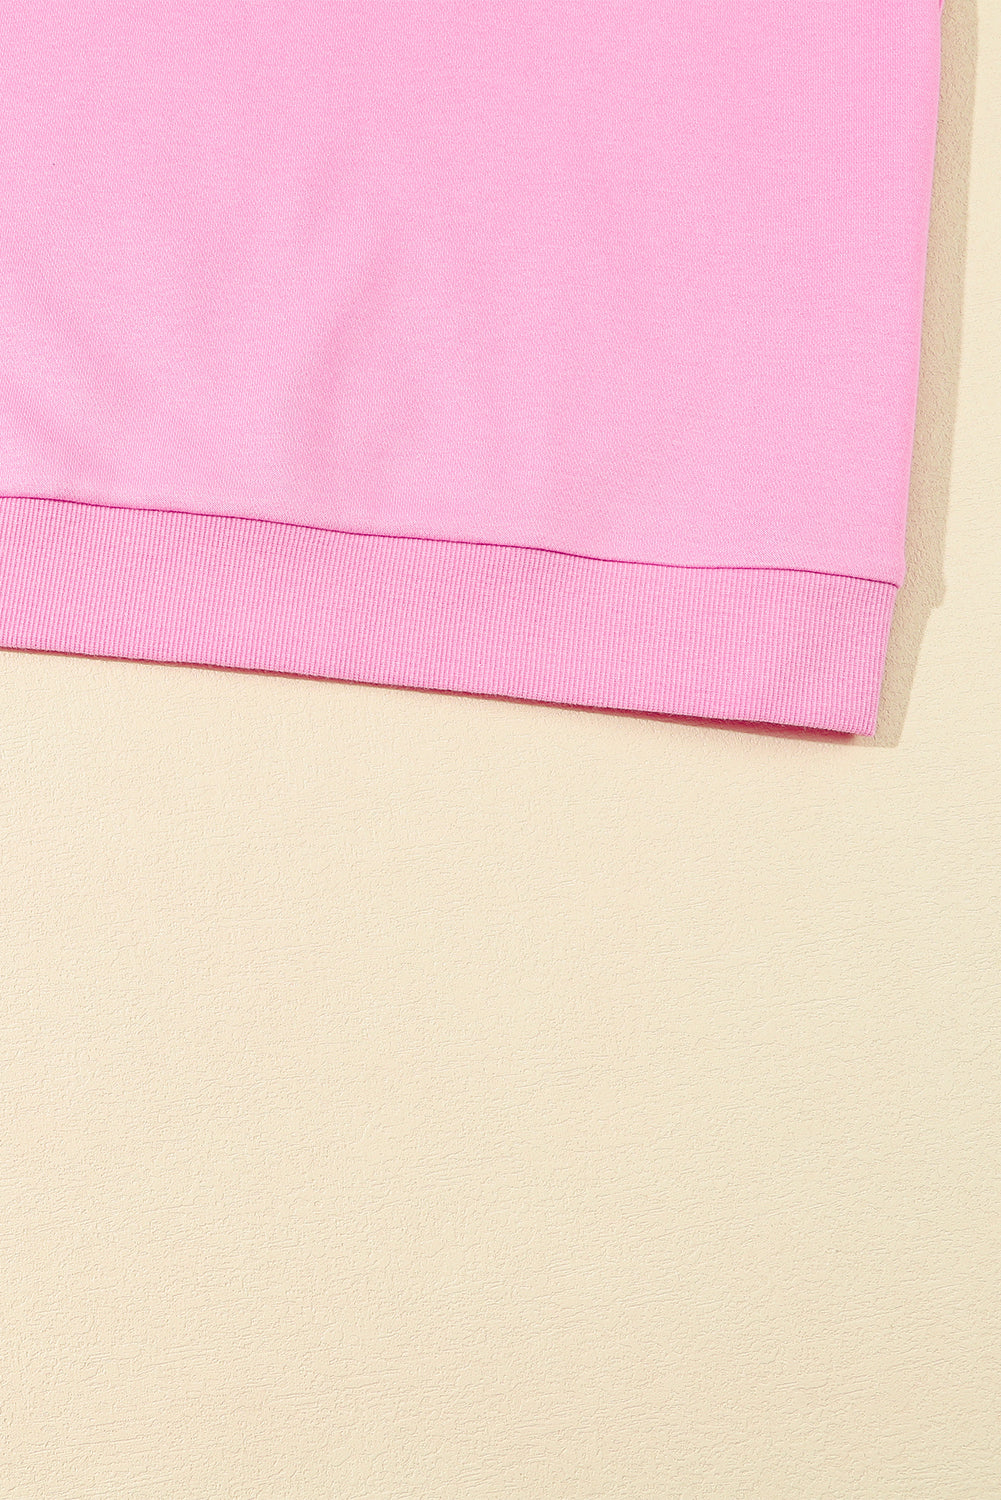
(565, 349)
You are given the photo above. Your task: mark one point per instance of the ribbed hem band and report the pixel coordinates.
(767, 645)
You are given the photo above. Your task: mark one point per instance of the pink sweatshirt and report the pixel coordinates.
(558, 349)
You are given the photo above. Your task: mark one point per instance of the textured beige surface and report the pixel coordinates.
(414, 1097)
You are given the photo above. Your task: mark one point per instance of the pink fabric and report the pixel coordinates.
(630, 283)
(723, 643)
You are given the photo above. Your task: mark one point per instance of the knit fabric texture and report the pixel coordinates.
(557, 349)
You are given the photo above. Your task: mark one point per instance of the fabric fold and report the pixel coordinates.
(778, 645)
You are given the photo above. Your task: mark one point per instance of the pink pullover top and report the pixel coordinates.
(557, 349)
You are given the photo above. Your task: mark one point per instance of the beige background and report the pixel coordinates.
(419, 1097)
